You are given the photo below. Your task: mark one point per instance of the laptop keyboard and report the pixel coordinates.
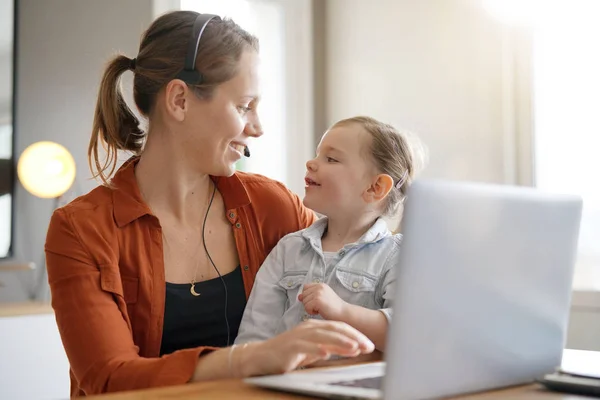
(366, 383)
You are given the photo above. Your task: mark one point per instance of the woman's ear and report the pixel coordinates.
(380, 187)
(176, 93)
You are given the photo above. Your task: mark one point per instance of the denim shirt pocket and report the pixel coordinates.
(292, 284)
(357, 288)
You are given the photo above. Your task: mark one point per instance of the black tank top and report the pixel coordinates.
(192, 321)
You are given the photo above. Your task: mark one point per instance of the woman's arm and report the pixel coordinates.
(281, 211)
(306, 216)
(96, 337)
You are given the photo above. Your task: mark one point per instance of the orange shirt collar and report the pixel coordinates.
(129, 204)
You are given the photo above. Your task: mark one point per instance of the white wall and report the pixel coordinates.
(63, 46)
(448, 71)
(429, 66)
(584, 324)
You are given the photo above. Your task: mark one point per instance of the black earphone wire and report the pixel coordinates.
(190, 75)
(213, 263)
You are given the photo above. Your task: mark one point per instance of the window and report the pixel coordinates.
(5, 198)
(566, 89)
(566, 110)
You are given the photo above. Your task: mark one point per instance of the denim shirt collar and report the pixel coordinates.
(376, 232)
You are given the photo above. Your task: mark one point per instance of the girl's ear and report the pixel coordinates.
(380, 187)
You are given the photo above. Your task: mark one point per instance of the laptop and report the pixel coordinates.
(482, 296)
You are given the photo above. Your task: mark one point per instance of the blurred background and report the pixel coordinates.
(499, 91)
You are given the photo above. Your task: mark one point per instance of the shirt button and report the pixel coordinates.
(232, 215)
(342, 253)
(317, 281)
(289, 284)
(245, 268)
(238, 225)
(305, 318)
(354, 284)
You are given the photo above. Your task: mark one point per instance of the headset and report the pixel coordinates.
(189, 74)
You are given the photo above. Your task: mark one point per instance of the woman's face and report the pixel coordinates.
(213, 132)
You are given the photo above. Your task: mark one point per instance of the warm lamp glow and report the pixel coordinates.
(46, 169)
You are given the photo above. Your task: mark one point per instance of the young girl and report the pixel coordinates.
(343, 266)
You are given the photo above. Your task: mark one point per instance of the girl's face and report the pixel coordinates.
(339, 177)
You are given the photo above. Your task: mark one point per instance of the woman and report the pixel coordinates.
(150, 272)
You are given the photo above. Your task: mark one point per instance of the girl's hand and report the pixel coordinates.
(319, 298)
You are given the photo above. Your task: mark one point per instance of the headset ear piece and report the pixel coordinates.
(192, 77)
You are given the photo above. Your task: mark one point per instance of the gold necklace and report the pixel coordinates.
(193, 280)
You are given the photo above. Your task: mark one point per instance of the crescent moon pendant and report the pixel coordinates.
(193, 290)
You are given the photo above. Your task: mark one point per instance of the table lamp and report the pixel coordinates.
(46, 170)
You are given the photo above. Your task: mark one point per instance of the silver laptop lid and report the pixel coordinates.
(483, 289)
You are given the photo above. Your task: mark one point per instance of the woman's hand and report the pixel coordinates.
(363, 358)
(303, 345)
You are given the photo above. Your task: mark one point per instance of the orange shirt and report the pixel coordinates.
(106, 273)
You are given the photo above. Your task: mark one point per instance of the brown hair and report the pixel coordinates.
(392, 154)
(160, 58)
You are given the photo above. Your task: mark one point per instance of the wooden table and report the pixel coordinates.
(236, 389)
(26, 308)
(572, 360)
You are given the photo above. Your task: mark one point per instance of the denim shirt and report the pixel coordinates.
(361, 273)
